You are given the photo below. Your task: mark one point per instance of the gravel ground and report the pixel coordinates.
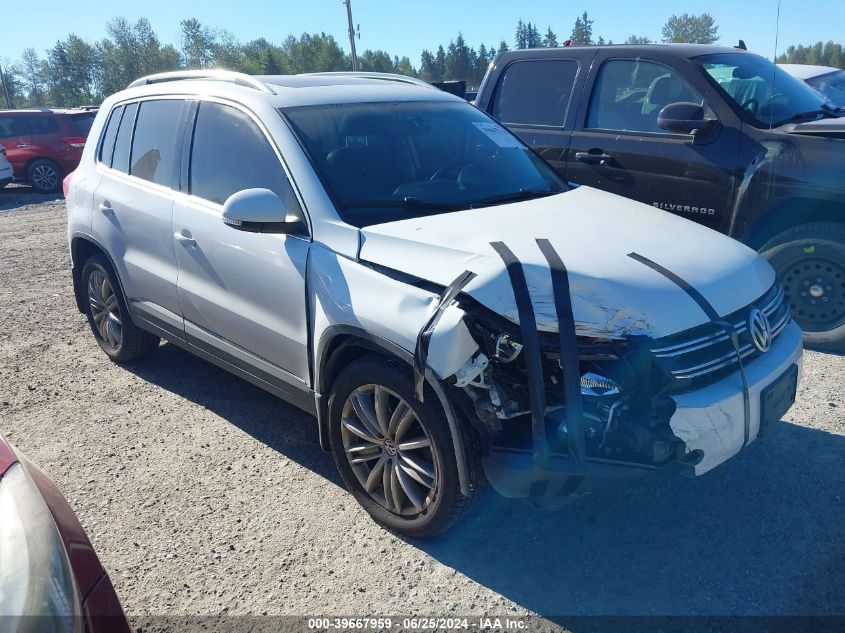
(204, 495)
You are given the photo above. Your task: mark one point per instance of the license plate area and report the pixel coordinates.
(777, 398)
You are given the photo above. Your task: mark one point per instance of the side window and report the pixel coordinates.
(109, 135)
(43, 125)
(11, 126)
(230, 153)
(154, 152)
(120, 159)
(629, 95)
(535, 92)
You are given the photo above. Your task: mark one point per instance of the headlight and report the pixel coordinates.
(35, 574)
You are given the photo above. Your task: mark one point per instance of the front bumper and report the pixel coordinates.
(710, 421)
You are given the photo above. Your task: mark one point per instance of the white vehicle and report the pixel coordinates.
(7, 174)
(387, 257)
(828, 80)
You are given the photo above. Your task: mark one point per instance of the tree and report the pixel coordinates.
(32, 74)
(428, 69)
(582, 33)
(70, 65)
(521, 38)
(691, 29)
(637, 39)
(197, 44)
(376, 61)
(503, 47)
(440, 63)
(403, 66)
(532, 36)
(822, 54)
(550, 39)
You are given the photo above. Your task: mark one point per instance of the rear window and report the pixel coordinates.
(120, 161)
(535, 92)
(42, 125)
(154, 143)
(109, 135)
(82, 122)
(13, 125)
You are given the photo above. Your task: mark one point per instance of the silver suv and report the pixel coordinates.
(387, 257)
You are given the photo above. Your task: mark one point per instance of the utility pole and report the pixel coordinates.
(348, 4)
(5, 88)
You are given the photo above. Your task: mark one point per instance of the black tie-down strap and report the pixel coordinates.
(714, 317)
(424, 337)
(568, 353)
(533, 362)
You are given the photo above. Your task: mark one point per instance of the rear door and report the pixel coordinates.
(537, 99)
(139, 159)
(15, 137)
(242, 294)
(617, 145)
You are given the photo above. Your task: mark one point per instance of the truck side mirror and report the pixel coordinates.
(260, 211)
(685, 118)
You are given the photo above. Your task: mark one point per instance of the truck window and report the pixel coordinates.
(535, 92)
(629, 94)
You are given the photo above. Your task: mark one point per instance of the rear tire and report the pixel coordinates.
(426, 505)
(108, 316)
(45, 176)
(809, 260)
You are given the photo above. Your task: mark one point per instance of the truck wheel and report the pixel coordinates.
(45, 176)
(395, 454)
(809, 260)
(108, 316)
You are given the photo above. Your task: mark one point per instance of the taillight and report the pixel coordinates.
(77, 142)
(66, 183)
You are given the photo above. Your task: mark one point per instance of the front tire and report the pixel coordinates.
(45, 176)
(108, 316)
(809, 260)
(395, 453)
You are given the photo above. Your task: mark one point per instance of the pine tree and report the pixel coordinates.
(582, 34)
(550, 40)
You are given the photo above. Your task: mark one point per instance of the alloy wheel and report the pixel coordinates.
(105, 309)
(44, 177)
(389, 450)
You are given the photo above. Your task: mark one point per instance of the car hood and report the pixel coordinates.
(613, 295)
(831, 128)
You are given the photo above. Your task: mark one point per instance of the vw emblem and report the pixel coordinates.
(761, 330)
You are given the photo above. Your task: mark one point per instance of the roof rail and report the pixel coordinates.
(373, 75)
(242, 79)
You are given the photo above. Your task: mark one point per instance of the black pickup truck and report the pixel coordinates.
(715, 134)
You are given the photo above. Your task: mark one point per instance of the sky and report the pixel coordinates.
(404, 27)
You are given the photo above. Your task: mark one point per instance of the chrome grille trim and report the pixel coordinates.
(689, 359)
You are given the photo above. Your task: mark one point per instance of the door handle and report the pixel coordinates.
(593, 159)
(22, 145)
(185, 238)
(105, 207)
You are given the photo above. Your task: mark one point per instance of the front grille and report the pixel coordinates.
(706, 353)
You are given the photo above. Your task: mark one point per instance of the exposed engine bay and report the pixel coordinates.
(625, 414)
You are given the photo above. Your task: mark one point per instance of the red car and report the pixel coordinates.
(50, 577)
(44, 145)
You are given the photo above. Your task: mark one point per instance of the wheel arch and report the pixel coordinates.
(341, 345)
(789, 213)
(82, 247)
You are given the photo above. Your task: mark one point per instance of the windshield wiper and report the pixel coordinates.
(408, 202)
(801, 116)
(514, 196)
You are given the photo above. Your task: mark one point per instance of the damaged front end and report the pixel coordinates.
(561, 412)
(623, 415)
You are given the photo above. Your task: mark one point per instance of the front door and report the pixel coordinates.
(618, 146)
(242, 294)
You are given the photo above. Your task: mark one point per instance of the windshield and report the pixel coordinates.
(392, 161)
(768, 93)
(832, 86)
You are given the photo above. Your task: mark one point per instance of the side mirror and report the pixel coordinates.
(260, 211)
(684, 118)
